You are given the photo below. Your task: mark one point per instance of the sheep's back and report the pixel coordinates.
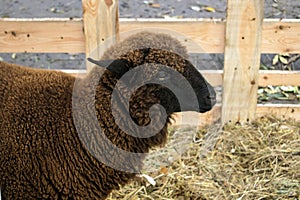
(34, 105)
(41, 155)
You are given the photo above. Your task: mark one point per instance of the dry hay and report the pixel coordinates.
(256, 161)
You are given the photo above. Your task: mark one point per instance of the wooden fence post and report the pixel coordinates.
(242, 60)
(101, 23)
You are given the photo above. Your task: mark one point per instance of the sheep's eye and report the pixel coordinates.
(162, 76)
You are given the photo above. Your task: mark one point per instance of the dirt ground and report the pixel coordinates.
(132, 9)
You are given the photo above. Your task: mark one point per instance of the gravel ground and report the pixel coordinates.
(128, 9)
(147, 9)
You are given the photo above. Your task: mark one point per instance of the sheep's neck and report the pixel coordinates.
(116, 116)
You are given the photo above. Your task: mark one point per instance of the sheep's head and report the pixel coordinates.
(148, 77)
(171, 79)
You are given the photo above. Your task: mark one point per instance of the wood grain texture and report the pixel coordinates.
(265, 77)
(242, 60)
(100, 24)
(41, 36)
(281, 37)
(280, 110)
(66, 35)
(276, 77)
(200, 36)
(286, 110)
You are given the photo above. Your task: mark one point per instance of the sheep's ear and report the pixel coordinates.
(118, 66)
(100, 63)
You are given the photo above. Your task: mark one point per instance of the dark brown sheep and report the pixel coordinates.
(51, 147)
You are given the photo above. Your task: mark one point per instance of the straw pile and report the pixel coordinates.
(256, 161)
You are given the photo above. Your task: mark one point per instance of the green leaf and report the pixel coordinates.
(275, 60)
(283, 60)
(285, 94)
(282, 98)
(264, 98)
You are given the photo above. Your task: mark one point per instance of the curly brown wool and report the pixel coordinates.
(41, 153)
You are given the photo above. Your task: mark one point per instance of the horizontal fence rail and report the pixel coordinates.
(51, 35)
(285, 110)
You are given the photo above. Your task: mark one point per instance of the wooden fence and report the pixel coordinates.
(243, 36)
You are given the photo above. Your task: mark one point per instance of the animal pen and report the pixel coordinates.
(259, 160)
(243, 36)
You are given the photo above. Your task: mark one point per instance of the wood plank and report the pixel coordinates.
(285, 110)
(200, 36)
(242, 60)
(198, 119)
(281, 36)
(66, 36)
(41, 36)
(266, 77)
(100, 27)
(280, 110)
(276, 77)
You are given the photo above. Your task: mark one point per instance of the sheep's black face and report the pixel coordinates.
(204, 92)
